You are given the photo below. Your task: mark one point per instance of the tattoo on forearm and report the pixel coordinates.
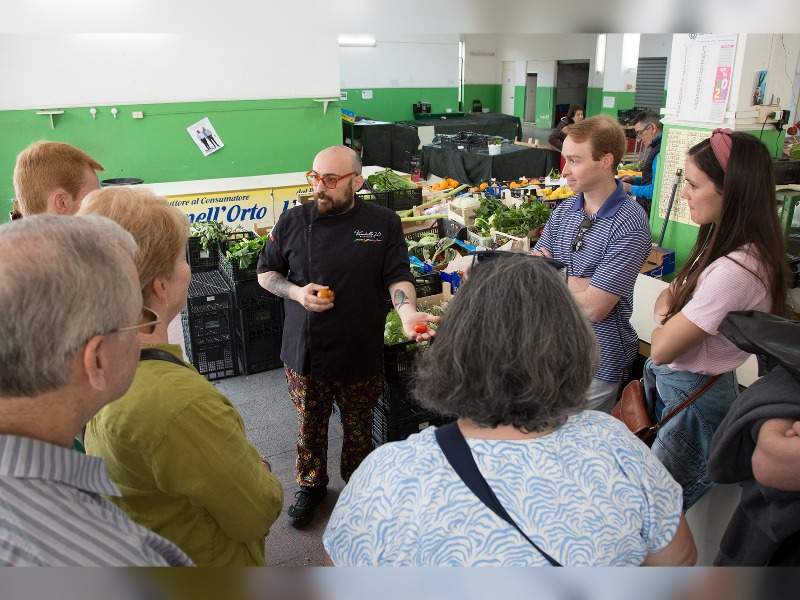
(400, 298)
(278, 285)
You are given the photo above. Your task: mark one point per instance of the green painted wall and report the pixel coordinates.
(623, 101)
(261, 137)
(394, 104)
(594, 101)
(679, 236)
(545, 106)
(488, 93)
(519, 102)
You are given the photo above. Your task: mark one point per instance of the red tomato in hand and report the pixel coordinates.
(420, 328)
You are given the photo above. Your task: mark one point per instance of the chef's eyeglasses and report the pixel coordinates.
(147, 324)
(329, 180)
(639, 132)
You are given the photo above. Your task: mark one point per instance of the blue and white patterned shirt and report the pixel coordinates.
(52, 512)
(589, 493)
(612, 253)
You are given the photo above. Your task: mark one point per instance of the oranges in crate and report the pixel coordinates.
(445, 184)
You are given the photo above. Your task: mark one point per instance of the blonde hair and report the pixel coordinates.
(160, 230)
(46, 166)
(605, 135)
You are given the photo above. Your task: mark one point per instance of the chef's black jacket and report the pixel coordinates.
(357, 254)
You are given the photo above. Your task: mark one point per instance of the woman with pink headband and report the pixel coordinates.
(737, 263)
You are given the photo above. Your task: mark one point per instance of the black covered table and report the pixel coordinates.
(393, 144)
(475, 166)
(497, 124)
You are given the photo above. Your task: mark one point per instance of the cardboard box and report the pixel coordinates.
(660, 262)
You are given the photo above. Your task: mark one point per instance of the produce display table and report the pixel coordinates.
(476, 166)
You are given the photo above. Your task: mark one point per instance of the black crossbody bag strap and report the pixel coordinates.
(158, 354)
(458, 454)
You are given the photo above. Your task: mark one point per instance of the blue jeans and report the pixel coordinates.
(683, 444)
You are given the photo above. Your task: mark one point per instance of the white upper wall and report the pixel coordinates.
(533, 52)
(402, 61)
(655, 45)
(776, 53)
(485, 66)
(57, 71)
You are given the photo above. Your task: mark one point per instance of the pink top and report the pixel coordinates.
(723, 287)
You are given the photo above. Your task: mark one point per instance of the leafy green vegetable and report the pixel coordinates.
(554, 174)
(246, 252)
(518, 221)
(210, 233)
(431, 249)
(393, 331)
(386, 180)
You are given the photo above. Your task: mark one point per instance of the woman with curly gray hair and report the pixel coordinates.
(511, 362)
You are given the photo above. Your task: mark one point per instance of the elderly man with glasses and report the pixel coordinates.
(648, 128)
(68, 347)
(333, 261)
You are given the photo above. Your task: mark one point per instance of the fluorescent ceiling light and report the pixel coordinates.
(600, 55)
(356, 40)
(630, 51)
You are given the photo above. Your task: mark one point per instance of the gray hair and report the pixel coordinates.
(648, 118)
(512, 349)
(62, 281)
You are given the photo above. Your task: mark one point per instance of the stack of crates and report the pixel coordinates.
(228, 307)
(208, 326)
(259, 327)
(397, 415)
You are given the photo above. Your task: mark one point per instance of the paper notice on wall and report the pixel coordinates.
(205, 136)
(366, 94)
(673, 153)
(700, 77)
(609, 101)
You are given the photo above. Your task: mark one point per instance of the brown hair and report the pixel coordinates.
(749, 217)
(159, 229)
(46, 166)
(605, 135)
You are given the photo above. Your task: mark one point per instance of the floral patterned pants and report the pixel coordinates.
(314, 402)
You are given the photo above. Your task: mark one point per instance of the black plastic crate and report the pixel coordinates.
(261, 319)
(394, 199)
(200, 259)
(397, 416)
(259, 353)
(428, 285)
(442, 228)
(404, 199)
(248, 294)
(399, 360)
(214, 357)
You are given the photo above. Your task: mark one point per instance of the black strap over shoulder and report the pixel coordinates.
(458, 454)
(158, 354)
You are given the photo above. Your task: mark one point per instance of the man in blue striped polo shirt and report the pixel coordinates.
(603, 237)
(68, 346)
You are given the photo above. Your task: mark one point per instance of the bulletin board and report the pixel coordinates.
(673, 153)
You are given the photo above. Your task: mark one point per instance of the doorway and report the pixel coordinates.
(530, 97)
(572, 83)
(507, 102)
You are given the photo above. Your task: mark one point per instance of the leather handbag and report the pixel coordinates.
(632, 410)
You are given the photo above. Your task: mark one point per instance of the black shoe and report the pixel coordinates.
(306, 501)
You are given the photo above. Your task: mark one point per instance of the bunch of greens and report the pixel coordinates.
(210, 233)
(386, 180)
(246, 252)
(493, 215)
(432, 250)
(554, 174)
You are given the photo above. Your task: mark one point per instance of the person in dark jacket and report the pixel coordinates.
(758, 444)
(575, 115)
